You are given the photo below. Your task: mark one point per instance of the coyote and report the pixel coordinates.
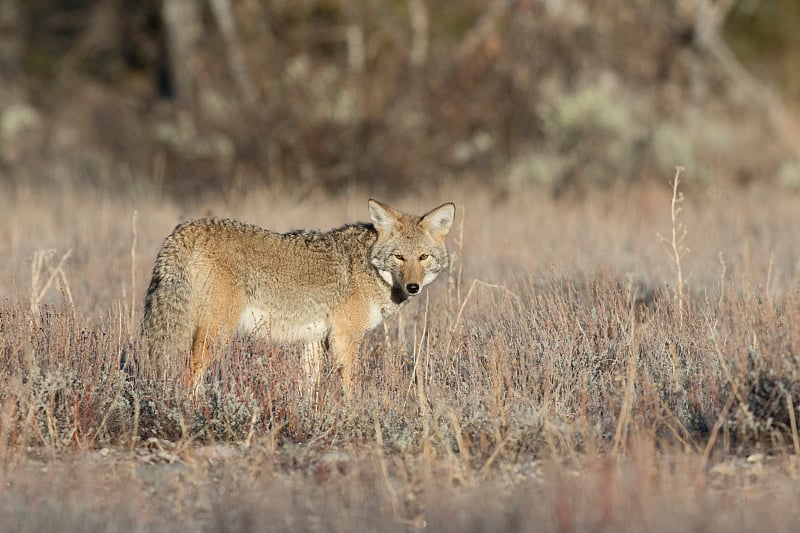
(215, 276)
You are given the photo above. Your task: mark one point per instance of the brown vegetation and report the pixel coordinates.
(549, 380)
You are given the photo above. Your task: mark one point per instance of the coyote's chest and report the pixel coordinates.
(376, 315)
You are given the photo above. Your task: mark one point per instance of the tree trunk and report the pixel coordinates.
(183, 26)
(223, 12)
(11, 40)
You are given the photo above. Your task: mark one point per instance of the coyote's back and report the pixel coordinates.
(213, 277)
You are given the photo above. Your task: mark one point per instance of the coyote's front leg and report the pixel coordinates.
(344, 347)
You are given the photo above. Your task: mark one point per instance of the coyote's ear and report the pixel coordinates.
(438, 221)
(384, 217)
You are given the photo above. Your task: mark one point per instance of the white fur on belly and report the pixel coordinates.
(255, 320)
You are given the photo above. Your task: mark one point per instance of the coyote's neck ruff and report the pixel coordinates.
(213, 277)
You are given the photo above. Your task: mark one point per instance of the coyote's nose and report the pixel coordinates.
(412, 288)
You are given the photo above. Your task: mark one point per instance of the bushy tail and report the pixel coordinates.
(167, 324)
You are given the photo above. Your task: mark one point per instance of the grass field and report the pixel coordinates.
(568, 374)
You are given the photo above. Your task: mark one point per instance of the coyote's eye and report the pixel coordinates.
(423, 257)
(399, 257)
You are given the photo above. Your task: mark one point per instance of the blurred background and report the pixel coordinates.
(194, 97)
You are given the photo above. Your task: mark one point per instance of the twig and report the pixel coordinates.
(137, 410)
(793, 423)
(499, 448)
(677, 247)
(133, 267)
(420, 21)
(422, 398)
(65, 287)
(40, 259)
(249, 440)
(223, 12)
(767, 290)
(715, 431)
(630, 378)
(724, 270)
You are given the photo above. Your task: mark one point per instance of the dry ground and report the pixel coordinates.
(555, 380)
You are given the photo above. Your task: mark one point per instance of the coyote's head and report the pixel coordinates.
(410, 250)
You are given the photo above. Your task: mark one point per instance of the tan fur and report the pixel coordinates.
(214, 276)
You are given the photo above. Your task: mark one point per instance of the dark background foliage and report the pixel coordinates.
(185, 97)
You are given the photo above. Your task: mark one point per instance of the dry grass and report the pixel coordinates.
(549, 383)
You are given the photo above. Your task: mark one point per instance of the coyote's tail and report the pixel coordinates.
(167, 323)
